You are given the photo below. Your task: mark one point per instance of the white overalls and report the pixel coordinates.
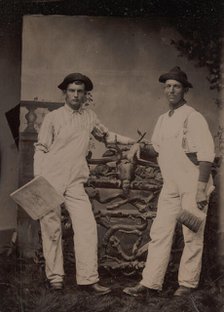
(63, 141)
(60, 157)
(179, 191)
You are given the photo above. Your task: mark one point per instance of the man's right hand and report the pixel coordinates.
(134, 151)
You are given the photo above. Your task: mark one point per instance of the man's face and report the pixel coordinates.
(75, 95)
(174, 91)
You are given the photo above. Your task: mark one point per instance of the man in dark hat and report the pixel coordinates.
(60, 157)
(185, 149)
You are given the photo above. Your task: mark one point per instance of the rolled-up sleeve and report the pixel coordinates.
(45, 139)
(201, 137)
(102, 134)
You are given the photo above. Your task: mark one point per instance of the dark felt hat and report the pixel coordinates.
(74, 77)
(176, 74)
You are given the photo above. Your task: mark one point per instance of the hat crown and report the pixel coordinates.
(177, 70)
(73, 77)
(176, 74)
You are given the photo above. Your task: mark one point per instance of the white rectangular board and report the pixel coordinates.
(37, 197)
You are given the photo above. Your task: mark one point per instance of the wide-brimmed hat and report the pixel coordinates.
(176, 74)
(74, 77)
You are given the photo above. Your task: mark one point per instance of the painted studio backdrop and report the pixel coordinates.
(124, 58)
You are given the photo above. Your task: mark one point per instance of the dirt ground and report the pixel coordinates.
(23, 289)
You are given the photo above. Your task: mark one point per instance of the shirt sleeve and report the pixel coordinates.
(155, 140)
(99, 130)
(102, 134)
(201, 137)
(45, 139)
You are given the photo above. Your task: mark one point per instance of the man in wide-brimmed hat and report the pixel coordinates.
(185, 149)
(60, 157)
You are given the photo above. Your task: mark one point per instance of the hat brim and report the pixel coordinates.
(163, 78)
(87, 82)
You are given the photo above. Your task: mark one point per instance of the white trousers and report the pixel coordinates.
(85, 238)
(162, 231)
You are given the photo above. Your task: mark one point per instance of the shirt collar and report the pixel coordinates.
(179, 108)
(72, 111)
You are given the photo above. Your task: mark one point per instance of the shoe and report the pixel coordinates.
(183, 291)
(136, 291)
(96, 288)
(55, 285)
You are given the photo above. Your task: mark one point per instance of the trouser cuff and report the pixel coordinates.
(188, 285)
(151, 286)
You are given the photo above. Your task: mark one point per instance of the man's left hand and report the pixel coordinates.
(201, 199)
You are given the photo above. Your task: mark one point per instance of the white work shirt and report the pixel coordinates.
(56, 120)
(63, 142)
(198, 136)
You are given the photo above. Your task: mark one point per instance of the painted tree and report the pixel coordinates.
(202, 44)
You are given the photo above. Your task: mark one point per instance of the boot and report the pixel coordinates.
(96, 288)
(55, 286)
(183, 291)
(136, 291)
